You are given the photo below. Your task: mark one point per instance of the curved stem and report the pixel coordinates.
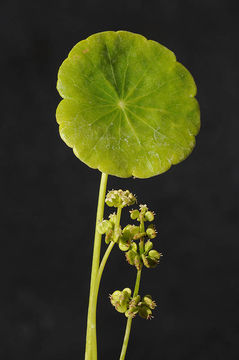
(91, 344)
(129, 321)
(98, 278)
(101, 268)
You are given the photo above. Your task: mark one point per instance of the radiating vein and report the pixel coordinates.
(100, 138)
(112, 70)
(131, 91)
(102, 74)
(159, 132)
(109, 112)
(81, 76)
(120, 119)
(78, 87)
(154, 91)
(137, 138)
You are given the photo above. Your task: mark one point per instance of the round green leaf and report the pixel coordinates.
(128, 106)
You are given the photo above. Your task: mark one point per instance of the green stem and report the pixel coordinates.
(91, 344)
(129, 321)
(98, 279)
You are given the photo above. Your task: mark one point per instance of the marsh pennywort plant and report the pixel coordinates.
(128, 109)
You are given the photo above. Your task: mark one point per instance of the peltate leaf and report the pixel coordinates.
(128, 106)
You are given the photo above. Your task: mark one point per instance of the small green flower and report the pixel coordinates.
(120, 299)
(147, 299)
(148, 246)
(143, 209)
(151, 232)
(134, 214)
(149, 216)
(152, 259)
(104, 226)
(124, 245)
(130, 256)
(145, 312)
(132, 311)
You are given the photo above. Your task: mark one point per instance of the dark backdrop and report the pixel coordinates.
(48, 197)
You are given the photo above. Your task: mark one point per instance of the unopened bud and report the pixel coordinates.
(143, 209)
(130, 231)
(148, 246)
(139, 236)
(115, 297)
(104, 226)
(134, 214)
(112, 218)
(147, 299)
(120, 299)
(125, 296)
(154, 254)
(135, 300)
(130, 256)
(149, 216)
(131, 312)
(152, 260)
(134, 247)
(148, 262)
(137, 262)
(151, 232)
(109, 237)
(117, 234)
(145, 312)
(124, 245)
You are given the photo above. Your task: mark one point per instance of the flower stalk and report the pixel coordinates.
(91, 343)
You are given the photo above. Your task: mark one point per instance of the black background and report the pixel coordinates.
(49, 197)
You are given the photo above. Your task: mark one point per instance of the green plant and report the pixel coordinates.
(128, 109)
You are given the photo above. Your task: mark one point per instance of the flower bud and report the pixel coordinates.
(123, 244)
(125, 296)
(129, 198)
(152, 260)
(145, 260)
(148, 246)
(147, 299)
(143, 209)
(130, 255)
(104, 226)
(151, 232)
(120, 299)
(148, 262)
(154, 254)
(113, 199)
(137, 262)
(134, 247)
(112, 218)
(139, 236)
(130, 231)
(135, 300)
(134, 214)
(145, 312)
(115, 297)
(117, 234)
(109, 236)
(131, 312)
(149, 216)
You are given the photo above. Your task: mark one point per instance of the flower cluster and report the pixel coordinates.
(136, 241)
(120, 198)
(131, 306)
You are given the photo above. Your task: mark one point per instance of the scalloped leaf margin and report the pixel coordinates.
(128, 106)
